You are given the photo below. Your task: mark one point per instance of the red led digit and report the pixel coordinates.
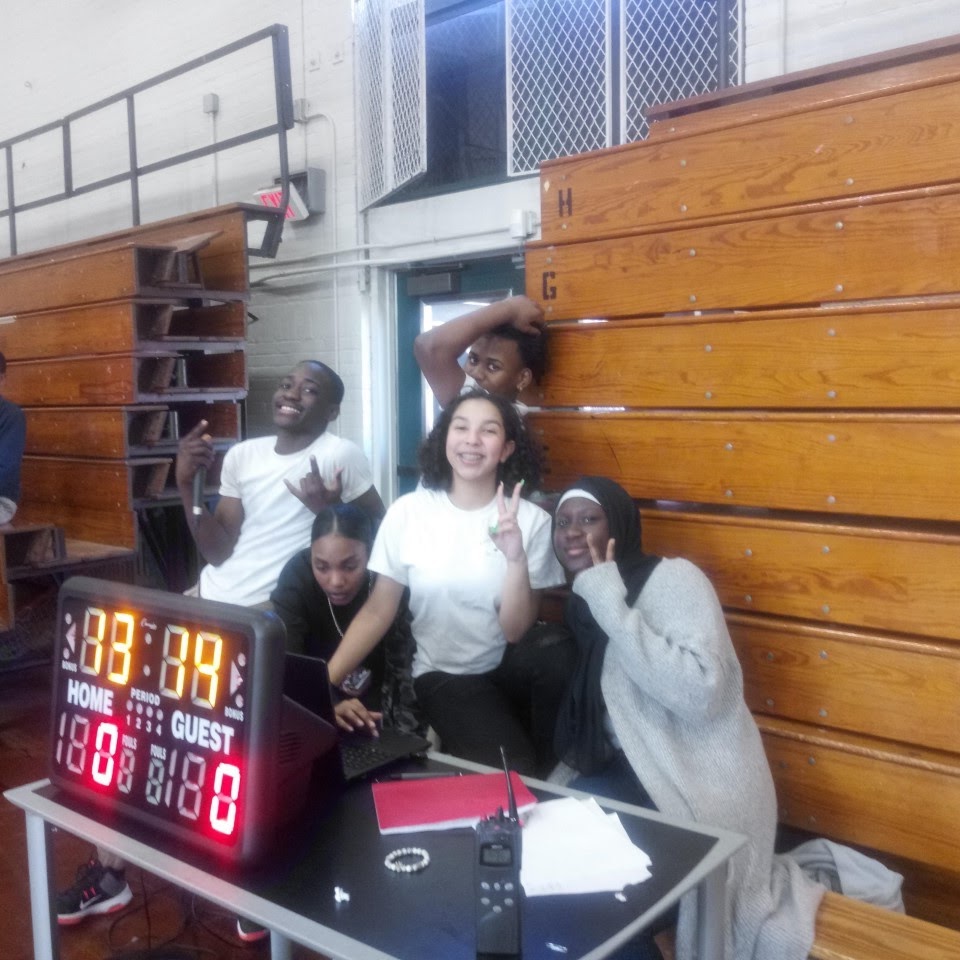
(223, 810)
(103, 763)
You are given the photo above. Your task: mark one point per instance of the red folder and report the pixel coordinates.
(439, 803)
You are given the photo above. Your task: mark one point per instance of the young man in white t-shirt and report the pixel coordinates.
(505, 345)
(271, 488)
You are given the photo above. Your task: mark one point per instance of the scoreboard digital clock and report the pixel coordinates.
(170, 709)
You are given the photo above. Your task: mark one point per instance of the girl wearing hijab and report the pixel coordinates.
(655, 715)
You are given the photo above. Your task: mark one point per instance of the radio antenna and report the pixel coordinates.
(511, 800)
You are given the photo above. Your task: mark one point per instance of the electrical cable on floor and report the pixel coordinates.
(168, 949)
(215, 913)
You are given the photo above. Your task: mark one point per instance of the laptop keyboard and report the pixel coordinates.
(358, 757)
(361, 754)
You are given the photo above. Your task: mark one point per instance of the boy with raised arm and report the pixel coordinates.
(506, 351)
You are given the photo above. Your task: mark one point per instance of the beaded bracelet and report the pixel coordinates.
(392, 861)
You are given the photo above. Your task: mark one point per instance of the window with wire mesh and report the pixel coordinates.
(674, 49)
(511, 83)
(390, 83)
(465, 99)
(560, 79)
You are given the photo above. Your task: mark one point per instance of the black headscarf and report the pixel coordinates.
(581, 741)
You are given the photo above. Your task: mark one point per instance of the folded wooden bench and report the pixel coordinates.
(753, 325)
(117, 346)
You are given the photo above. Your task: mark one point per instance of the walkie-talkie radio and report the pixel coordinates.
(498, 888)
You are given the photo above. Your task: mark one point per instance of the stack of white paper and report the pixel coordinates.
(573, 846)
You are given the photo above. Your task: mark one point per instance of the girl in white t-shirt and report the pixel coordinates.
(475, 557)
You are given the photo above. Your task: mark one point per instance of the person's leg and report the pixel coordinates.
(474, 719)
(534, 675)
(618, 781)
(100, 887)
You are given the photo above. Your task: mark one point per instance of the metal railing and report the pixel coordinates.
(277, 34)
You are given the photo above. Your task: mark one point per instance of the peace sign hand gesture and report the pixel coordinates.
(506, 532)
(313, 493)
(595, 551)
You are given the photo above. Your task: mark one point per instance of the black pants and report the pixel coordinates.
(514, 705)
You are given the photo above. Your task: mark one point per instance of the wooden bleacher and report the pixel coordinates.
(117, 345)
(773, 371)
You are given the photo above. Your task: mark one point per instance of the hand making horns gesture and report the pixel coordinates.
(505, 533)
(313, 493)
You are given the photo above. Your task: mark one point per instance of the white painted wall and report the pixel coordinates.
(787, 35)
(314, 301)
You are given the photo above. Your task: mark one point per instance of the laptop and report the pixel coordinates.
(305, 681)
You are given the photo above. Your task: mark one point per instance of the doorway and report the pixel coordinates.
(467, 286)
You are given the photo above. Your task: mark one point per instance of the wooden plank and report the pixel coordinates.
(223, 260)
(75, 380)
(88, 484)
(892, 143)
(99, 432)
(121, 326)
(837, 678)
(60, 333)
(889, 465)
(850, 929)
(849, 356)
(123, 379)
(109, 526)
(907, 797)
(120, 432)
(837, 253)
(882, 579)
(90, 276)
(91, 499)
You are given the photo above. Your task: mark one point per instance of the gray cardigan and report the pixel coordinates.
(674, 693)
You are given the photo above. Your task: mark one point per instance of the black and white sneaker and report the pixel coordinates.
(97, 890)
